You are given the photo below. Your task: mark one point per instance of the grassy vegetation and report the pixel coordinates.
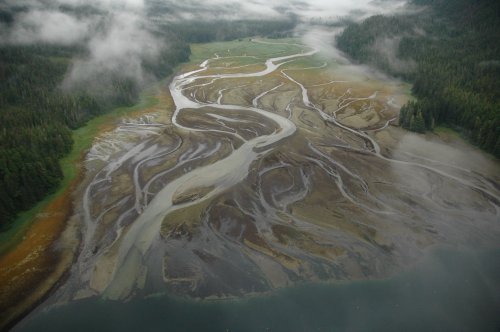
(446, 130)
(310, 62)
(83, 138)
(450, 52)
(450, 133)
(277, 48)
(201, 52)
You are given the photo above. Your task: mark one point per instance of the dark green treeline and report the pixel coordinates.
(37, 113)
(451, 53)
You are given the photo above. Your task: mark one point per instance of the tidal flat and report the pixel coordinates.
(271, 167)
(449, 290)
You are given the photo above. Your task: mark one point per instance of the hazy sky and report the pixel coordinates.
(116, 32)
(44, 20)
(277, 8)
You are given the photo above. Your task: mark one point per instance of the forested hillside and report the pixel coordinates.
(37, 111)
(209, 31)
(450, 51)
(37, 115)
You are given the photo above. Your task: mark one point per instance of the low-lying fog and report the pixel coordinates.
(118, 34)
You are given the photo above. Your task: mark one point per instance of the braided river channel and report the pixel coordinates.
(273, 190)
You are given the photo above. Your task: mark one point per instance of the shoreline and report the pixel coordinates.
(365, 236)
(53, 222)
(45, 231)
(387, 144)
(320, 294)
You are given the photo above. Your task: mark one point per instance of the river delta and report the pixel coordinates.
(269, 164)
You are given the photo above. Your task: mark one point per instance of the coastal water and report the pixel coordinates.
(449, 290)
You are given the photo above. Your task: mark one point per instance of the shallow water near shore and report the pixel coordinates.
(251, 191)
(449, 290)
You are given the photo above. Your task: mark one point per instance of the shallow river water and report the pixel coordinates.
(288, 202)
(450, 290)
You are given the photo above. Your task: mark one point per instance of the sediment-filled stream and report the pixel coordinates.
(271, 174)
(447, 291)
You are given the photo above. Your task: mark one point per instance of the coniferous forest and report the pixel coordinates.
(37, 115)
(450, 51)
(231, 165)
(37, 112)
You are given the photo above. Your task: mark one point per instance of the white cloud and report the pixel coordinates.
(387, 49)
(109, 4)
(117, 40)
(121, 47)
(106, 4)
(49, 27)
(308, 9)
(114, 35)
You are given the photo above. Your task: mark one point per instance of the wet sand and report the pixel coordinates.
(35, 266)
(266, 176)
(41, 262)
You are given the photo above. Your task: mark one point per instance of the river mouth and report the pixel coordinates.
(450, 290)
(269, 174)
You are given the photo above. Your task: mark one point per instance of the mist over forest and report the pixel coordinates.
(162, 153)
(64, 62)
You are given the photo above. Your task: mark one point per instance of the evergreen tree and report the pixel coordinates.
(457, 71)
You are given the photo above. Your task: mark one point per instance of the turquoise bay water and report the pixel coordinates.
(447, 291)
